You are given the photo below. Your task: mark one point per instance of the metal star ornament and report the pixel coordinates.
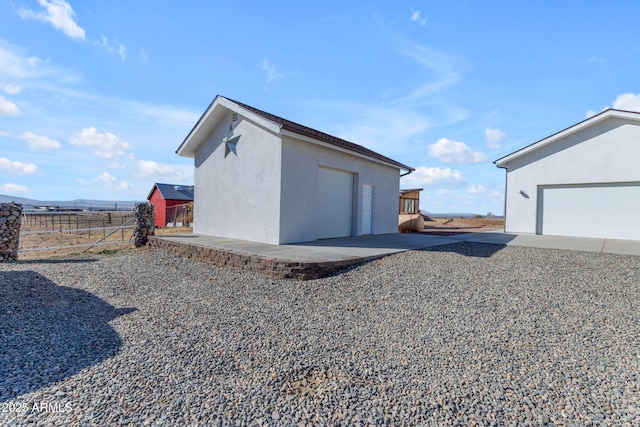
(230, 142)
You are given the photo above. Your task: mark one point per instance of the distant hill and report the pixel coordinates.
(456, 215)
(70, 204)
(449, 215)
(6, 199)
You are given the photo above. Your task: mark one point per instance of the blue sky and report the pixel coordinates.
(95, 97)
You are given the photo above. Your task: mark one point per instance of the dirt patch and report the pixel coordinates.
(450, 226)
(36, 236)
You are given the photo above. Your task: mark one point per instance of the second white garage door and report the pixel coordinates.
(335, 203)
(595, 210)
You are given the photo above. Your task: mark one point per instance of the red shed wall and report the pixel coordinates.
(160, 206)
(175, 202)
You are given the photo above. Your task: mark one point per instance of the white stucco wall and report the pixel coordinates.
(238, 196)
(606, 152)
(298, 199)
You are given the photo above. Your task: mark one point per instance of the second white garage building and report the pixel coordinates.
(583, 181)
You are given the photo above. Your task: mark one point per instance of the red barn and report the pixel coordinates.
(164, 196)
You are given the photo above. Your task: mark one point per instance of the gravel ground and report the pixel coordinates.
(464, 334)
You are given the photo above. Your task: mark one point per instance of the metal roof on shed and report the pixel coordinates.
(173, 191)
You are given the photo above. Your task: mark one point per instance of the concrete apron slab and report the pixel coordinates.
(301, 261)
(313, 260)
(583, 244)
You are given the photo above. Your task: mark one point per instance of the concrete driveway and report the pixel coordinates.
(384, 244)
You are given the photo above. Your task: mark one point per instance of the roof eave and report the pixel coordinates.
(152, 190)
(504, 161)
(186, 148)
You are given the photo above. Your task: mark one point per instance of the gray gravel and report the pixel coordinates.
(464, 334)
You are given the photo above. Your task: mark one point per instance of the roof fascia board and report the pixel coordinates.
(503, 161)
(305, 138)
(152, 190)
(255, 118)
(186, 148)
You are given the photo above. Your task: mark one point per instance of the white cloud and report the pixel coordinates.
(18, 168)
(42, 75)
(627, 101)
(12, 65)
(477, 189)
(592, 113)
(496, 195)
(425, 177)
(454, 152)
(13, 188)
(164, 172)
(374, 126)
(116, 165)
(39, 142)
(115, 48)
(105, 145)
(8, 108)
(112, 183)
(490, 194)
(144, 57)
(494, 137)
(443, 67)
(379, 127)
(272, 73)
(32, 71)
(164, 114)
(11, 89)
(416, 16)
(59, 14)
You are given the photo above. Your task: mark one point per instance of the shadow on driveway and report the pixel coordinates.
(470, 249)
(50, 332)
(385, 244)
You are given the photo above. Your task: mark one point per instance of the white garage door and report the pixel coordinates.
(595, 210)
(335, 203)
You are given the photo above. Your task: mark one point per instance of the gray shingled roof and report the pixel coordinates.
(174, 192)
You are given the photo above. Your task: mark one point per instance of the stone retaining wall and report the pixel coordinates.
(277, 268)
(9, 231)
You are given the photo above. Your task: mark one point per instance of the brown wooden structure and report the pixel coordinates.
(410, 201)
(409, 218)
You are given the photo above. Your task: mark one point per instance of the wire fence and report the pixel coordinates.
(49, 231)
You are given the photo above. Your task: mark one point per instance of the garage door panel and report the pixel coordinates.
(602, 210)
(335, 203)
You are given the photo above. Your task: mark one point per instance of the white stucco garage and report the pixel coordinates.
(583, 181)
(263, 178)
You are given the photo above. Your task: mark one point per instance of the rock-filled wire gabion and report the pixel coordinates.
(9, 230)
(145, 223)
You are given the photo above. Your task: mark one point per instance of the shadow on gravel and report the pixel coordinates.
(50, 332)
(471, 249)
(57, 261)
